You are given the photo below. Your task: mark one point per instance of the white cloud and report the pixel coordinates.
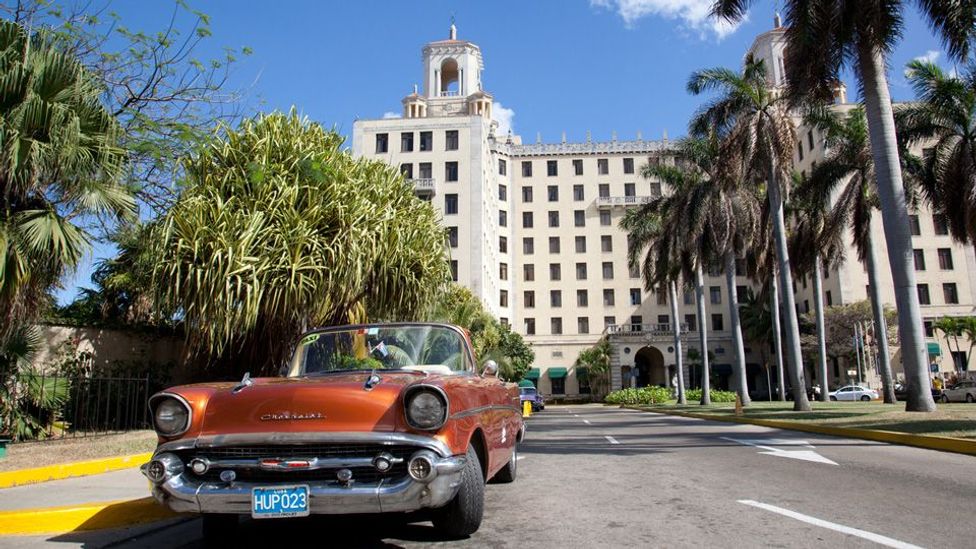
(694, 14)
(504, 117)
(391, 114)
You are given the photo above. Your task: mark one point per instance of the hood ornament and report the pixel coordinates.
(246, 382)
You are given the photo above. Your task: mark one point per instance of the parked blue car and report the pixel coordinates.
(532, 395)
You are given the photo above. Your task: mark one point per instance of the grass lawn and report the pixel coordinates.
(38, 454)
(951, 420)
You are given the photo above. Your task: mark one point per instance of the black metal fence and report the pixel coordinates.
(57, 407)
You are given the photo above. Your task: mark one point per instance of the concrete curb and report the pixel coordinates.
(20, 477)
(944, 444)
(77, 518)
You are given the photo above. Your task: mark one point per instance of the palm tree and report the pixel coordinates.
(955, 327)
(945, 113)
(757, 325)
(59, 167)
(823, 38)
(758, 139)
(848, 173)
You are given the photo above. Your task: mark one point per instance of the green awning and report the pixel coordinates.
(935, 349)
(525, 383)
(557, 373)
(532, 374)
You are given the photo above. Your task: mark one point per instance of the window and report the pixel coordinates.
(502, 167)
(555, 271)
(605, 219)
(553, 219)
(551, 168)
(691, 322)
(636, 322)
(945, 259)
(526, 168)
(608, 298)
(528, 272)
(581, 244)
(913, 225)
(450, 171)
(527, 220)
(452, 236)
(558, 384)
(740, 292)
(810, 139)
(688, 297)
(923, 294)
(526, 194)
(450, 141)
(628, 165)
(503, 193)
(502, 218)
(919, 259)
(635, 296)
(717, 324)
(664, 320)
(662, 296)
(929, 328)
(806, 305)
(579, 218)
(604, 189)
(799, 150)
(581, 271)
(454, 270)
(602, 166)
(427, 141)
(577, 193)
(556, 325)
(503, 244)
(715, 294)
(503, 271)
(607, 270)
(582, 298)
(949, 293)
(426, 170)
(941, 225)
(556, 298)
(583, 325)
(382, 142)
(578, 166)
(554, 244)
(406, 142)
(740, 267)
(606, 243)
(830, 300)
(503, 321)
(503, 298)
(629, 189)
(450, 204)
(528, 298)
(655, 189)
(407, 170)
(959, 362)
(530, 326)
(552, 191)
(528, 245)
(609, 321)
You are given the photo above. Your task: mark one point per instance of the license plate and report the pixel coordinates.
(279, 502)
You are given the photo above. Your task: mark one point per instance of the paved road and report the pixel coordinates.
(596, 476)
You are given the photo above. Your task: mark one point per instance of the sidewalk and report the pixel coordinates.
(127, 484)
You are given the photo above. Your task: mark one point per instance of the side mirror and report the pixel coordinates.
(490, 368)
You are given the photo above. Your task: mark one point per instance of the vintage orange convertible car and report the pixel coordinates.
(369, 418)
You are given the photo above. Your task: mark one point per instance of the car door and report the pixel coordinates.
(845, 393)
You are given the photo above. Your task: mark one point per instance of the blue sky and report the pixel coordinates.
(557, 65)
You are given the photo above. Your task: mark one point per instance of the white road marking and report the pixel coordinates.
(520, 458)
(586, 421)
(871, 536)
(804, 455)
(610, 439)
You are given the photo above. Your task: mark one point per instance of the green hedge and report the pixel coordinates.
(644, 395)
(694, 395)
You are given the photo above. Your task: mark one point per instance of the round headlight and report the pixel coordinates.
(171, 417)
(426, 409)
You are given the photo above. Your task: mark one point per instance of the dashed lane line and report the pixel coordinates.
(870, 536)
(610, 439)
(586, 421)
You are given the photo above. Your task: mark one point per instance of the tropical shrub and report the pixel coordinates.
(30, 403)
(639, 396)
(716, 396)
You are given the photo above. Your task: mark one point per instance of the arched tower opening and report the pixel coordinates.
(450, 78)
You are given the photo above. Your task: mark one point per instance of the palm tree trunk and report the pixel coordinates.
(774, 310)
(795, 362)
(880, 325)
(894, 215)
(821, 333)
(679, 360)
(742, 385)
(706, 397)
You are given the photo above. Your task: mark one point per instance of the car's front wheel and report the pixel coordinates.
(462, 515)
(833, 398)
(969, 399)
(865, 398)
(219, 529)
(945, 399)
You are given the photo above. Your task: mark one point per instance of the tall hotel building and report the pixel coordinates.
(533, 231)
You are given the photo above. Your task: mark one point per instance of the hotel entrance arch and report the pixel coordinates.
(649, 367)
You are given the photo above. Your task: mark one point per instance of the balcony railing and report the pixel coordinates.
(653, 330)
(424, 185)
(449, 93)
(623, 201)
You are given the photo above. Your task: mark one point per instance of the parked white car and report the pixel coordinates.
(853, 392)
(964, 391)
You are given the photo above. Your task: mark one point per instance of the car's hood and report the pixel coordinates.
(334, 403)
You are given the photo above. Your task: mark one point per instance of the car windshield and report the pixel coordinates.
(425, 348)
(528, 391)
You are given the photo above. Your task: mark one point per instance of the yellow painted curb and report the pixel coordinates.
(77, 518)
(68, 470)
(944, 444)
